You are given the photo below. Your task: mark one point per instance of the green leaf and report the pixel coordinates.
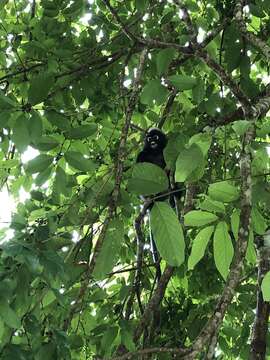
(38, 164)
(141, 5)
(175, 146)
(235, 221)
(43, 176)
(6, 103)
(164, 58)
(46, 351)
(258, 222)
(188, 161)
(21, 137)
(109, 254)
(76, 341)
(233, 56)
(8, 315)
(223, 191)
(78, 161)
(182, 82)
(48, 298)
(266, 287)
(251, 251)
(203, 141)
(148, 179)
(199, 246)
(241, 126)
(82, 131)
(154, 93)
(35, 126)
(199, 218)
(40, 86)
(59, 120)
(223, 249)
(127, 341)
(198, 92)
(212, 205)
(46, 143)
(264, 130)
(60, 183)
(168, 233)
(108, 339)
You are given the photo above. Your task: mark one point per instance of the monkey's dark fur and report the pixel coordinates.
(154, 144)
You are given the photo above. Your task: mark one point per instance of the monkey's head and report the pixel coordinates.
(155, 139)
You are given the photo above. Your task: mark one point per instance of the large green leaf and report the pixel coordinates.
(148, 179)
(21, 136)
(164, 58)
(199, 246)
(8, 315)
(35, 126)
(168, 234)
(266, 287)
(183, 82)
(109, 253)
(258, 222)
(212, 205)
(223, 191)
(45, 143)
(40, 86)
(38, 164)
(78, 161)
(108, 339)
(6, 102)
(188, 160)
(82, 131)
(199, 218)
(154, 93)
(223, 249)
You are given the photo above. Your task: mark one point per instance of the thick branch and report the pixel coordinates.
(150, 43)
(154, 302)
(120, 159)
(212, 326)
(263, 47)
(116, 191)
(226, 78)
(260, 326)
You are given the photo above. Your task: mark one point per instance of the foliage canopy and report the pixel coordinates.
(80, 83)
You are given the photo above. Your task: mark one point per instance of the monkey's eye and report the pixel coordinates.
(155, 137)
(149, 138)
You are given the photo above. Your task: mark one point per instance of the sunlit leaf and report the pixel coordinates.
(266, 287)
(148, 179)
(40, 86)
(223, 249)
(154, 93)
(223, 191)
(78, 161)
(183, 82)
(199, 218)
(199, 246)
(38, 164)
(168, 234)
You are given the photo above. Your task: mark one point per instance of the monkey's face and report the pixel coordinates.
(155, 139)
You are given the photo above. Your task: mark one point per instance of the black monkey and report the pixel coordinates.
(154, 144)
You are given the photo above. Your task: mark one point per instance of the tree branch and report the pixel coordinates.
(260, 326)
(116, 191)
(212, 326)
